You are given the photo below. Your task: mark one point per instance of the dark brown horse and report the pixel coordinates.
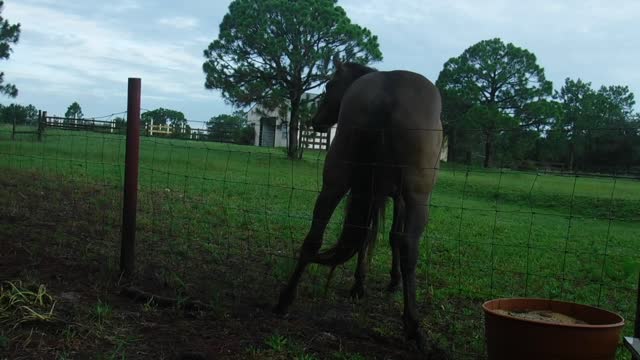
(387, 144)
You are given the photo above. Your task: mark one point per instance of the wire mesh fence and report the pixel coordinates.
(222, 223)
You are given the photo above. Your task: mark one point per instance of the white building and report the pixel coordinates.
(272, 127)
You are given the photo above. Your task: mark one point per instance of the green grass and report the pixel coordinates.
(491, 233)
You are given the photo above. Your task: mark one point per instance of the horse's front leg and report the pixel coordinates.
(326, 203)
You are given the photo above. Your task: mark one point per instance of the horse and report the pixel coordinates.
(387, 145)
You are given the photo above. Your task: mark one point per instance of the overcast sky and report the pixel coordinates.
(75, 50)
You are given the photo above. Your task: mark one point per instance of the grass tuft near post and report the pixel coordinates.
(127, 251)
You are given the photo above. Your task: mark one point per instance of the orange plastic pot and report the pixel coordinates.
(512, 337)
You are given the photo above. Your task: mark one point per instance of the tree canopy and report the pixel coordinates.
(231, 128)
(74, 111)
(270, 52)
(9, 35)
(496, 81)
(161, 116)
(598, 125)
(23, 114)
(499, 107)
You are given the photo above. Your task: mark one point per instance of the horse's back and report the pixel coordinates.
(395, 99)
(393, 118)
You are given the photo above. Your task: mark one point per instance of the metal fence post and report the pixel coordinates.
(127, 251)
(633, 342)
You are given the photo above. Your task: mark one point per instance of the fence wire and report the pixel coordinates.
(223, 223)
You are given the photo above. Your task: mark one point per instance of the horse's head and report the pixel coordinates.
(329, 106)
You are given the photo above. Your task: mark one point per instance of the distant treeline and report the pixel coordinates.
(499, 110)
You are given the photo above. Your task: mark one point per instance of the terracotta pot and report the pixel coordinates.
(512, 337)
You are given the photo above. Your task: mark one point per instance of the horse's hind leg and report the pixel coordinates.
(416, 216)
(326, 203)
(397, 227)
(357, 290)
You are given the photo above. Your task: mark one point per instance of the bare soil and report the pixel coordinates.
(50, 236)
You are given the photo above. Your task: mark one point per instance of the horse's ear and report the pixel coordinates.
(337, 63)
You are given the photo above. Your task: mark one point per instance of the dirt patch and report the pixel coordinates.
(51, 236)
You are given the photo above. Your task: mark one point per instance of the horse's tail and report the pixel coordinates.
(348, 246)
(333, 258)
(378, 217)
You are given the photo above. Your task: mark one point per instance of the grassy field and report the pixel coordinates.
(242, 212)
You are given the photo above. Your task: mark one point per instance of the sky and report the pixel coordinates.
(75, 50)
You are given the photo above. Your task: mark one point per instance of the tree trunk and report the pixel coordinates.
(451, 145)
(300, 143)
(13, 131)
(572, 151)
(294, 125)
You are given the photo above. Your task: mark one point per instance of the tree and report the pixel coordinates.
(9, 34)
(231, 128)
(457, 125)
(23, 115)
(74, 111)
(502, 78)
(617, 103)
(270, 52)
(307, 109)
(120, 124)
(598, 127)
(609, 144)
(527, 141)
(161, 116)
(577, 99)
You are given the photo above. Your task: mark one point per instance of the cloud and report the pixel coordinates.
(413, 12)
(121, 6)
(74, 49)
(589, 37)
(179, 22)
(61, 48)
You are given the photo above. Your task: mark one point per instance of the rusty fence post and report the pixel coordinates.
(132, 155)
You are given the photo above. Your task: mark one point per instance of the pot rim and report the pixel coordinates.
(620, 323)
